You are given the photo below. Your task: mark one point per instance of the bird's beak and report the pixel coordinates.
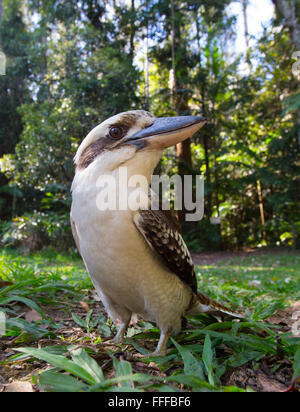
(166, 131)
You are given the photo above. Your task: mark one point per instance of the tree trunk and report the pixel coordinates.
(208, 176)
(132, 29)
(147, 95)
(287, 9)
(246, 31)
(258, 183)
(198, 36)
(173, 82)
(261, 208)
(180, 106)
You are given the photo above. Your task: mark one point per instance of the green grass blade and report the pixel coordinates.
(296, 366)
(60, 362)
(191, 365)
(83, 360)
(78, 320)
(36, 332)
(59, 382)
(123, 369)
(207, 357)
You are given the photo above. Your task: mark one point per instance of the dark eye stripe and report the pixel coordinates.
(116, 132)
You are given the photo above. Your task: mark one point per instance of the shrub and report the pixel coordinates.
(39, 229)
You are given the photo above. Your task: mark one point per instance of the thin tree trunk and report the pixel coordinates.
(206, 156)
(173, 69)
(205, 137)
(179, 106)
(147, 95)
(261, 208)
(183, 149)
(208, 176)
(288, 11)
(184, 152)
(198, 37)
(132, 29)
(246, 32)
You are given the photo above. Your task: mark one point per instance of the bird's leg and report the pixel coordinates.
(125, 319)
(161, 349)
(120, 334)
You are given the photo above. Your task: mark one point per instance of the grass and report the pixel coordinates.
(56, 328)
(250, 282)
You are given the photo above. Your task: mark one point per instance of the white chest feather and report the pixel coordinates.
(122, 266)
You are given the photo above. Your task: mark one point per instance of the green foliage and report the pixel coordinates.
(203, 236)
(73, 64)
(40, 229)
(79, 75)
(89, 324)
(297, 363)
(45, 153)
(292, 103)
(14, 43)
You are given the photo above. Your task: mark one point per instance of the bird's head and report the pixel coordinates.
(138, 130)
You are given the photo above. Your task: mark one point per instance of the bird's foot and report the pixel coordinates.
(156, 353)
(117, 340)
(161, 349)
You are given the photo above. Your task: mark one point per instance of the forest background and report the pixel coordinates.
(72, 64)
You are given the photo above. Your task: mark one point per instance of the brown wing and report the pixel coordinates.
(161, 233)
(75, 235)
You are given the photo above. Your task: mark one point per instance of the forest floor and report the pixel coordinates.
(56, 331)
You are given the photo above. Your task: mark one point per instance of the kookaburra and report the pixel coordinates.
(137, 259)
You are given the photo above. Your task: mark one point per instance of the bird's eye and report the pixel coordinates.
(116, 132)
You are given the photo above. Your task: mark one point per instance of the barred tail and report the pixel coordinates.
(203, 304)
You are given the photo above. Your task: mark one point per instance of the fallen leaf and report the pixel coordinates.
(268, 384)
(18, 386)
(32, 316)
(85, 305)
